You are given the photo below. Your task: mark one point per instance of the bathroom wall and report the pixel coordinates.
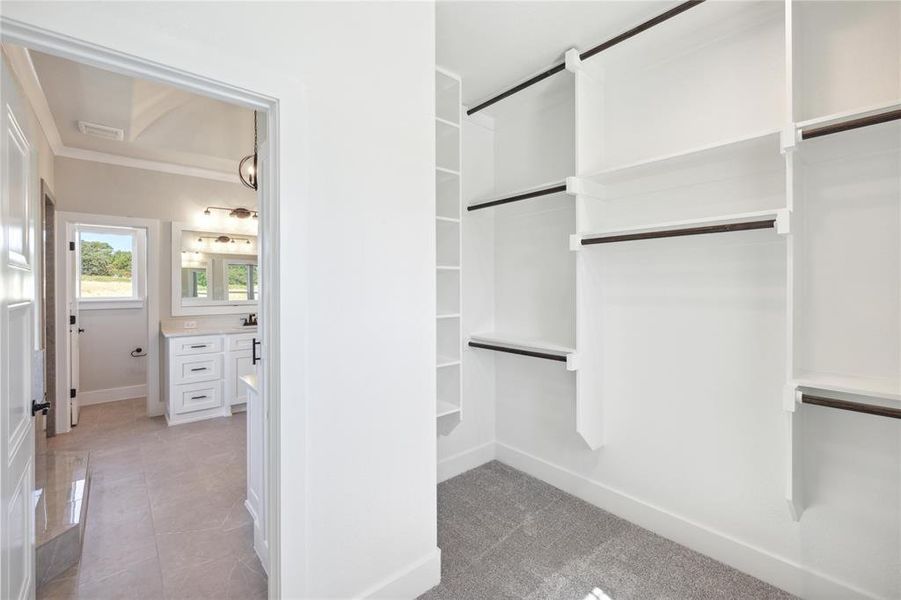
(95, 188)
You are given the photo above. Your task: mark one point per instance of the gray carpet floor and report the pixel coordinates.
(506, 535)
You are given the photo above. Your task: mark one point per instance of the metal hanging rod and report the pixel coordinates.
(861, 407)
(532, 353)
(648, 235)
(524, 196)
(588, 53)
(892, 115)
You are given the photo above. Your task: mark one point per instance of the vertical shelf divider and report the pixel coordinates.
(448, 247)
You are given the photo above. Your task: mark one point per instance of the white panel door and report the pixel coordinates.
(17, 187)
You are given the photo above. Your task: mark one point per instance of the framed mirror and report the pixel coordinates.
(213, 271)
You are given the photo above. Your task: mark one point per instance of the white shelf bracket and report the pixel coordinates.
(783, 221)
(584, 187)
(789, 138)
(573, 62)
(572, 362)
(791, 397)
(575, 242)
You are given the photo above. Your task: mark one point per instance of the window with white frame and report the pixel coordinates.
(111, 266)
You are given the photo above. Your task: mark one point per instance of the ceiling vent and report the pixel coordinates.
(101, 131)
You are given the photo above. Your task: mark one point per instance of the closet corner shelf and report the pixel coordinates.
(446, 122)
(447, 219)
(500, 342)
(446, 408)
(778, 219)
(448, 316)
(447, 268)
(447, 361)
(445, 174)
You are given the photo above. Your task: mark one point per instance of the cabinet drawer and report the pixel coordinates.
(201, 344)
(241, 341)
(191, 369)
(196, 396)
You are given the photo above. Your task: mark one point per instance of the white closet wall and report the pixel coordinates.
(688, 354)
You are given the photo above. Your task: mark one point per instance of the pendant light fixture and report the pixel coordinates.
(247, 168)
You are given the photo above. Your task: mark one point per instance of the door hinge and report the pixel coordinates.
(71, 319)
(72, 246)
(71, 392)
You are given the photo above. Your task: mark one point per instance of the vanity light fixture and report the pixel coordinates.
(247, 168)
(223, 239)
(238, 213)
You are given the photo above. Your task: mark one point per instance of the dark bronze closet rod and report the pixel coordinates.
(870, 409)
(588, 53)
(518, 351)
(525, 196)
(648, 235)
(892, 115)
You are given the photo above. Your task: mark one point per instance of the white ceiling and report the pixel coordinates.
(494, 45)
(161, 123)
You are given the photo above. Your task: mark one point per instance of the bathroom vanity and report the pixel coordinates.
(202, 370)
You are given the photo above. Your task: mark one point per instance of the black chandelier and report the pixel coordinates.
(247, 168)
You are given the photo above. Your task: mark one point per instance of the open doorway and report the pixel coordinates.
(156, 333)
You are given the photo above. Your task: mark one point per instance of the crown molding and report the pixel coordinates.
(23, 68)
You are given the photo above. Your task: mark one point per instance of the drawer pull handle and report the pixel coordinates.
(199, 346)
(198, 397)
(198, 369)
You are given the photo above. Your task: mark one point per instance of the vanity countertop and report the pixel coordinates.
(169, 331)
(250, 381)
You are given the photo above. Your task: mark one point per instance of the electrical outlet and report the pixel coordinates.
(190, 324)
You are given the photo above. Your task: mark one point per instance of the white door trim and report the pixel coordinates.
(64, 283)
(50, 42)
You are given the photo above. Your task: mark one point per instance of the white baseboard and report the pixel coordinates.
(766, 566)
(411, 581)
(112, 395)
(464, 461)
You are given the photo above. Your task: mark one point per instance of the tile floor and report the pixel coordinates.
(166, 516)
(504, 535)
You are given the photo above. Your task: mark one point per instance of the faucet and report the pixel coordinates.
(250, 320)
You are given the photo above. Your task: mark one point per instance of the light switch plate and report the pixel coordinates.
(190, 324)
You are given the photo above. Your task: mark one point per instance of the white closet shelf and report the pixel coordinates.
(446, 408)
(448, 316)
(447, 268)
(755, 144)
(570, 185)
(513, 344)
(448, 123)
(447, 219)
(887, 391)
(864, 111)
(444, 174)
(447, 361)
(444, 128)
(779, 219)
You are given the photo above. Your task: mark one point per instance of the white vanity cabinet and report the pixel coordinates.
(202, 371)
(257, 473)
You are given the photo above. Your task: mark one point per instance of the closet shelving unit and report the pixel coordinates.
(802, 141)
(448, 244)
